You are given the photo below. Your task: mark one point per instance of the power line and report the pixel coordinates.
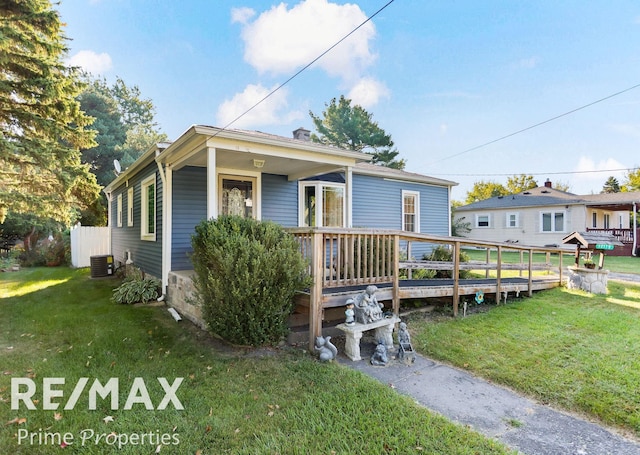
(538, 173)
(537, 124)
(304, 68)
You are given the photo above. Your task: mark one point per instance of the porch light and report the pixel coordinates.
(258, 163)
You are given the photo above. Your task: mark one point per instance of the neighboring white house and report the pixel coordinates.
(544, 216)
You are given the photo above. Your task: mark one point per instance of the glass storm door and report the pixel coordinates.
(237, 196)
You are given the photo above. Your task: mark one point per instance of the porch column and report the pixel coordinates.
(212, 184)
(348, 181)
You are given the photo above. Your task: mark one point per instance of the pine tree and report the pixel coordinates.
(352, 128)
(41, 125)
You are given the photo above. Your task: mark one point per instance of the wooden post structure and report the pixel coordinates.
(396, 275)
(456, 277)
(315, 297)
(498, 275)
(530, 284)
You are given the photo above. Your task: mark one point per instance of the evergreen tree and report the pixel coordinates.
(352, 128)
(611, 186)
(41, 125)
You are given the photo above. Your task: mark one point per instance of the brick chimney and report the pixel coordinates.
(547, 184)
(302, 134)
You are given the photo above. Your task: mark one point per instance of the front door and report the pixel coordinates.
(237, 196)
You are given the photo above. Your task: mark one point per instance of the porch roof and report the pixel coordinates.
(253, 150)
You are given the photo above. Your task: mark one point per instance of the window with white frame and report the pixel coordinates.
(148, 208)
(410, 211)
(552, 221)
(130, 207)
(483, 221)
(322, 204)
(594, 220)
(513, 220)
(607, 220)
(119, 210)
(620, 221)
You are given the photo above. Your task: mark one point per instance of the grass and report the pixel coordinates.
(567, 348)
(59, 323)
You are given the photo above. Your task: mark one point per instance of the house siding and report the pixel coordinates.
(147, 255)
(189, 208)
(377, 202)
(279, 200)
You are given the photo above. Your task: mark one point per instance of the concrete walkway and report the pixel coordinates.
(494, 411)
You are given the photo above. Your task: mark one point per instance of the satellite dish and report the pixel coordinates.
(116, 165)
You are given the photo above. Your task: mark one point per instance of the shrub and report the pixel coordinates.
(247, 273)
(137, 290)
(444, 254)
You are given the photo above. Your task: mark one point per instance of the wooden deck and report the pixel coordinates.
(344, 261)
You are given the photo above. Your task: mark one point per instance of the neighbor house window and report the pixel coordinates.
(322, 204)
(410, 211)
(552, 221)
(148, 208)
(607, 220)
(130, 207)
(594, 220)
(482, 221)
(119, 210)
(512, 220)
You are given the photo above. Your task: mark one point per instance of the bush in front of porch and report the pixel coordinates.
(247, 273)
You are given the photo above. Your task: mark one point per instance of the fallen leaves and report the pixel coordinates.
(17, 421)
(108, 419)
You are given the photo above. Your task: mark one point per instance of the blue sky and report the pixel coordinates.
(440, 77)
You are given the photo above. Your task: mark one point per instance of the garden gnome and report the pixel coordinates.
(379, 357)
(350, 313)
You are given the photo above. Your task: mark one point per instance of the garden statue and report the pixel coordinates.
(326, 350)
(405, 350)
(367, 307)
(379, 357)
(349, 313)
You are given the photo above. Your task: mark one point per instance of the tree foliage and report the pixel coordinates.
(519, 183)
(42, 127)
(632, 181)
(352, 128)
(611, 186)
(484, 190)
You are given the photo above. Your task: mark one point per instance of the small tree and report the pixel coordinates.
(247, 273)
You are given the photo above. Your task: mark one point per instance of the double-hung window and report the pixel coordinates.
(322, 204)
(512, 220)
(148, 208)
(483, 221)
(552, 221)
(410, 211)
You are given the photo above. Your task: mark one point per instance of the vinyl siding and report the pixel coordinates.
(189, 208)
(279, 200)
(147, 255)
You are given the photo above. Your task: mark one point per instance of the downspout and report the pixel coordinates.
(635, 230)
(166, 229)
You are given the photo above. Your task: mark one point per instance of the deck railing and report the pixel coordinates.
(623, 235)
(350, 257)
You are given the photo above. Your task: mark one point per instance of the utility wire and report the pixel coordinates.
(304, 68)
(539, 173)
(537, 124)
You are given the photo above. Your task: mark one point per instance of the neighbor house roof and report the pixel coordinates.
(544, 196)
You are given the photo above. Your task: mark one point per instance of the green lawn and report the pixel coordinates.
(571, 349)
(59, 323)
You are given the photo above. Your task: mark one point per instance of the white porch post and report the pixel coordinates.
(212, 184)
(348, 180)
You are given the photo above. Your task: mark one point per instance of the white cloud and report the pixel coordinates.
(529, 63)
(242, 15)
(593, 173)
(367, 92)
(271, 111)
(627, 129)
(281, 40)
(91, 61)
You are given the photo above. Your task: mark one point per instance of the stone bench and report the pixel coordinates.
(384, 332)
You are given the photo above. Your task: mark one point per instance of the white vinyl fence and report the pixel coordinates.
(87, 241)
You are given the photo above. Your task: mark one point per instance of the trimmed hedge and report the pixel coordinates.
(247, 273)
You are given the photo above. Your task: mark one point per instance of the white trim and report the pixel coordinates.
(348, 199)
(212, 184)
(476, 221)
(553, 214)
(119, 210)
(416, 202)
(144, 207)
(166, 176)
(507, 221)
(130, 207)
(319, 185)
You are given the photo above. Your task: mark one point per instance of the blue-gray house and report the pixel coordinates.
(155, 204)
